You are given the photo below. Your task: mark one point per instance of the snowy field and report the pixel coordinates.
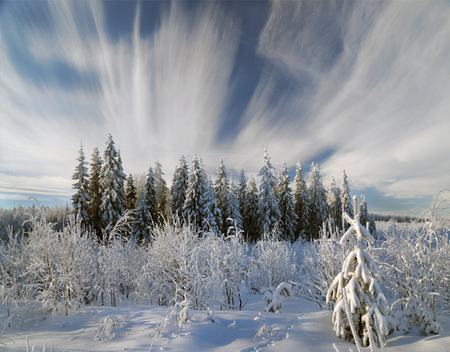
(300, 326)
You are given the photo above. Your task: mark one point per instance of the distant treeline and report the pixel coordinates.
(398, 218)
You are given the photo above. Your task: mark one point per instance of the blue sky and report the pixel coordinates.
(357, 85)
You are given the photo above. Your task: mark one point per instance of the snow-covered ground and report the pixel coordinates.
(300, 326)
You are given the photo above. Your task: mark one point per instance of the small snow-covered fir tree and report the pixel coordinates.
(288, 222)
(222, 189)
(301, 202)
(130, 193)
(268, 209)
(334, 204)
(318, 208)
(361, 309)
(212, 217)
(179, 186)
(162, 194)
(346, 201)
(250, 217)
(194, 204)
(95, 192)
(80, 199)
(112, 183)
(235, 215)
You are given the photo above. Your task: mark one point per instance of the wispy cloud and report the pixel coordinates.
(380, 103)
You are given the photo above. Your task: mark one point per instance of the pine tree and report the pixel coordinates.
(346, 201)
(95, 193)
(317, 202)
(235, 219)
(250, 218)
(288, 222)
(112, 183)
(301, 202)
(222, 189)
(194, 204)
(179, 187)
(334, 204)
(268, 210)
(80, 199)
(130, 193)
(162, 193)
(212, 217)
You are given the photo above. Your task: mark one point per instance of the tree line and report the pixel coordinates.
(103, 193)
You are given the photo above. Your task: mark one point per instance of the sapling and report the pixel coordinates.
(357, 287)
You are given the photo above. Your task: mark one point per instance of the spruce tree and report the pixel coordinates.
(142, 221)
(95, 193)
(222, 189)
(241, 192)
(162, 194)
(346, 201)
(268, 210)
(235, 218)
(130, 193)
(301, 202)
(80, 200)
(112, 183)
(288, 223)
(150, 198)
(179, 186)
(334, 204)
(212, 217)
(317, 202)
(250, 218)
(194, 204)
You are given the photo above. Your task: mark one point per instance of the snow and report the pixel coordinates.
(300, 326)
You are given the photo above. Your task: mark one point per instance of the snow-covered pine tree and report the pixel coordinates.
(150, 197)
(179, 186)
(288, 222)
(212, 217)
(162, 194)
(80, 199)
(361, 309)
(130, 193)
(318, 211)
(222, 189)
(235, 219)
(95, 193)
(301, 202)
(250, 218)
(241, 192)
(194, 204)
(268, 210)
(113, 193)
(346, 201)
(334, 204)
(363, 213)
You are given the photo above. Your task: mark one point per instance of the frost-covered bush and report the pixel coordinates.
(59, 265)
(415, 265)
(361, 309)
(272, 261)
(321, 260)
(274, 297)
